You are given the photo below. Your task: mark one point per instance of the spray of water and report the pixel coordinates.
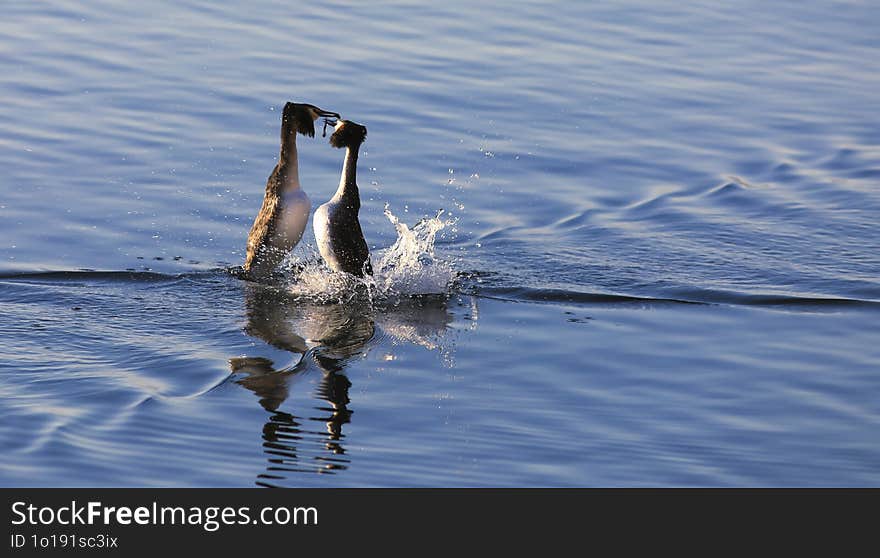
(409, 267)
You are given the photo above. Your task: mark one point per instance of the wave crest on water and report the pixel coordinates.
(410, 267)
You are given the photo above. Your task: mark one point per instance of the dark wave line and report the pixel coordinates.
(110, 276)
(727, 297)
(521, 294)
(690, 297)
(577, 297)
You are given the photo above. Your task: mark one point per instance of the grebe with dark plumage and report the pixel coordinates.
(285, 211)
(337, 228)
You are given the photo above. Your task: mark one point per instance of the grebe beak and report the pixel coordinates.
(328, 114)
(329, 117)
(329, 122)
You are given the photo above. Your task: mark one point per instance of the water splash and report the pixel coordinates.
(409, 267)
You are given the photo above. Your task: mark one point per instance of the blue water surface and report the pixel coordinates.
(666, 236)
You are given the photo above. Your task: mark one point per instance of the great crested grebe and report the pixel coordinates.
(285, 212)
(337, 228)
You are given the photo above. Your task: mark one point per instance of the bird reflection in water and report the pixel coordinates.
(325, 338)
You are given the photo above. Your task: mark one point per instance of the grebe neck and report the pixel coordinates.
(288, 162)
(348, 181)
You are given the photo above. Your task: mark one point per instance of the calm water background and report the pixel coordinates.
(606, 164)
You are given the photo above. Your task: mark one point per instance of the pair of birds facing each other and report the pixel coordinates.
(282, 220)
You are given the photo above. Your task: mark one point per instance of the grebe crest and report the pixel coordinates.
(348, 134)
(302, 117)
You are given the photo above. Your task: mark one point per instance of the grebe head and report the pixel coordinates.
(301, 117)
(348, 134)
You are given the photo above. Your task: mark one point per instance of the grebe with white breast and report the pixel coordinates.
(285, 211)
(337, 228)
